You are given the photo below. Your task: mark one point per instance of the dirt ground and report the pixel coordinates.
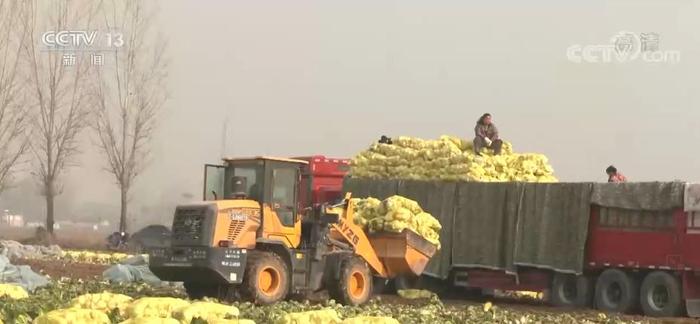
(59, 269)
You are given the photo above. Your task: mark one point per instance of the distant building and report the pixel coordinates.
(12, 220)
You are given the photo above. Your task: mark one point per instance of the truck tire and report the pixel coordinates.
(661, 295)
(571, 291)
(379, 285)
(407, 282)
(354, 286)
(266, 278)
(616, 292)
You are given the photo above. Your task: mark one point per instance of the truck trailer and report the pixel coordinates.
(617, 247)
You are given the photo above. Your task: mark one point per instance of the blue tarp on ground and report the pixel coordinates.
(21, 275)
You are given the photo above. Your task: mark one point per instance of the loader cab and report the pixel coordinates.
(272, 182)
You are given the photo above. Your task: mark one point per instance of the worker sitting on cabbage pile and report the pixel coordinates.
(385, 140)
(614, 175)
(486, 135)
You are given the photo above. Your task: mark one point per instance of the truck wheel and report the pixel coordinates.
(379, 285)
(661, 295)
(616, 291)
(407, 282)
(266, 278)
(354, 286)
(571, 291)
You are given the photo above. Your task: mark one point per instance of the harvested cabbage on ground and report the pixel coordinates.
(206, 310)
(59, 294)
(13, 291)
(163, 307)
(448, 158)
(73, 315)
(395, 214)
(151, 320)
(415, 293)
(104, 301)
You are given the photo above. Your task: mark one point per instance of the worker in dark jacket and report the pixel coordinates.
(486, 135)
(614, 175)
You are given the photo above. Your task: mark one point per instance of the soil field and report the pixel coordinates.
(59, 269)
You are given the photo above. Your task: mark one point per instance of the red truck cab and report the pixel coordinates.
(322, 179)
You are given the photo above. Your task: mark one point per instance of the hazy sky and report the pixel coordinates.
(330, 77)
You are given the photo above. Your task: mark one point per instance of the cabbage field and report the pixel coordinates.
(95, 301)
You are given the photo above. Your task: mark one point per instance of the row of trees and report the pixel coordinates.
(45, 104)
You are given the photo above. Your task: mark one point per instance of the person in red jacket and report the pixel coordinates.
(486, 135)
(614, 175)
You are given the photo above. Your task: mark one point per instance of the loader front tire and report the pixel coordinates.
(354, 286)
(266, 278)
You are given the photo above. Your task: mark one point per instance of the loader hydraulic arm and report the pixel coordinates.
(355, 236)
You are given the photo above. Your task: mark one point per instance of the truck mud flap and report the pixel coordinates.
(693, 307)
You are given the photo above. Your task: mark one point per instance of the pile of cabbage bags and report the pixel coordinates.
(395, 214)
(330, 316)
(449, 158)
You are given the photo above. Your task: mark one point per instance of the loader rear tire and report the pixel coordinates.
(354, 286)
(266, 278)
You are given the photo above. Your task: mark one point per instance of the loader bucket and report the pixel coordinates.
(402, 253)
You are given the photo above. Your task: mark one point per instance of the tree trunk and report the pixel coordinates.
(49, 207)
(122, 218)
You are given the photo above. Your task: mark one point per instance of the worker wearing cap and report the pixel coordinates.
(486, 135)
(614, 175)
(385, 140)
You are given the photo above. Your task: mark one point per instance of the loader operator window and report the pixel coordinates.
(283, 194)
(252, 175)
(213, 182)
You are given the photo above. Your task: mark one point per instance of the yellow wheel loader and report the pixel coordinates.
(272, 227)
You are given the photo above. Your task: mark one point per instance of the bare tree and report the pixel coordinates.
(58, 92)
(130, 91)
(13, 112)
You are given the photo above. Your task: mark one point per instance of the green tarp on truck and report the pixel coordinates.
(502, 226)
